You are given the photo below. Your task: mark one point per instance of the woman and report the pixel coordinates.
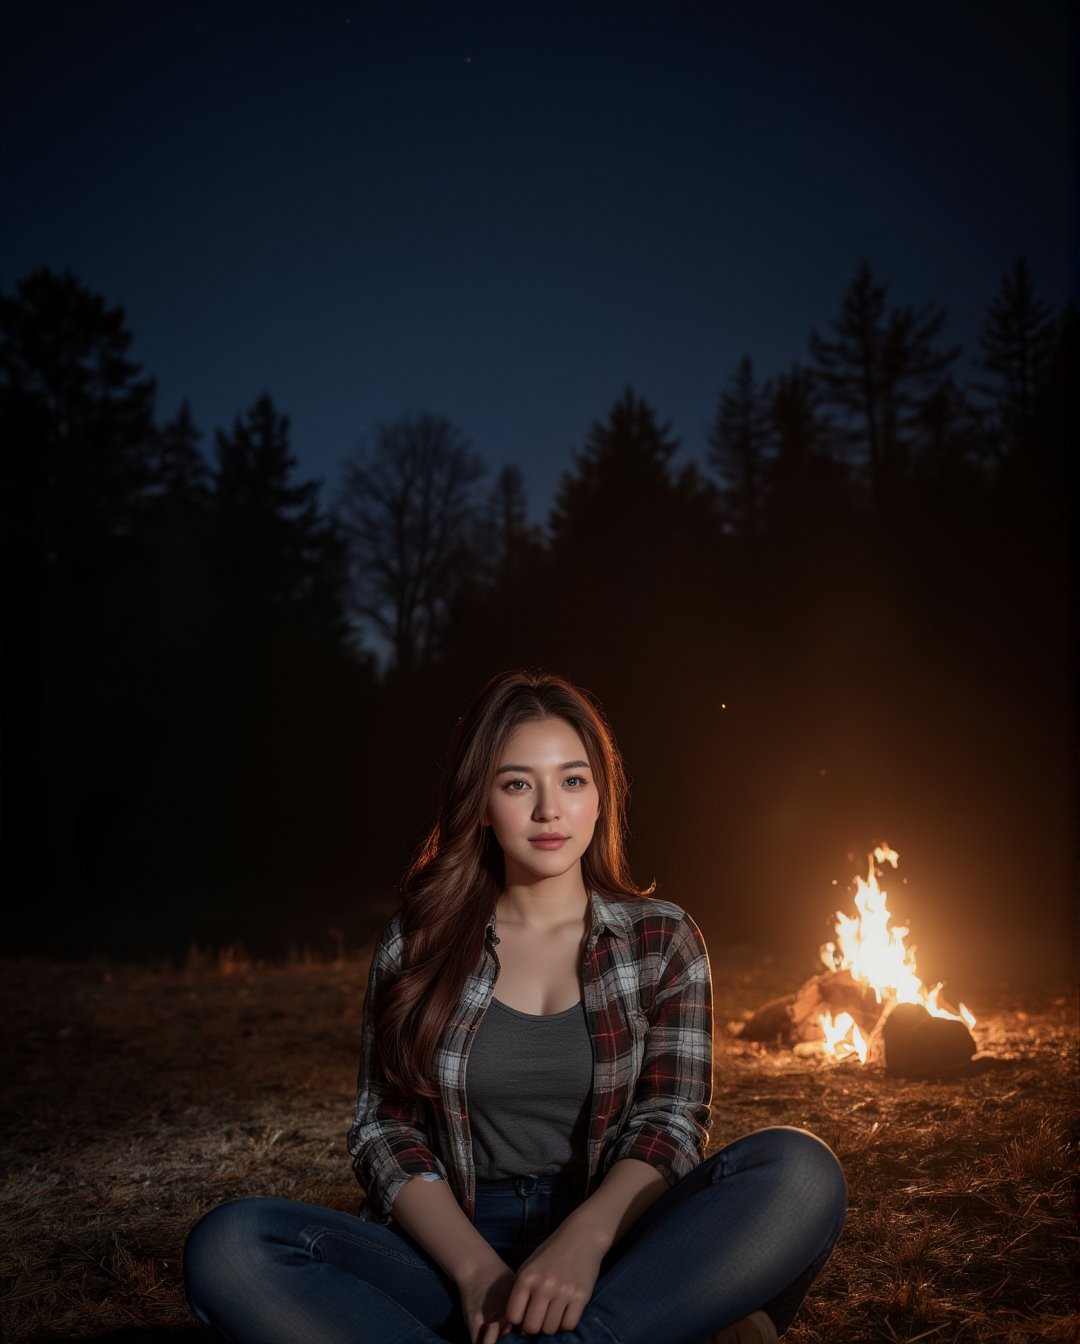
(563, 1190)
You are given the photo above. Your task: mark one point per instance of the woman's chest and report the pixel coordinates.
(539, 973)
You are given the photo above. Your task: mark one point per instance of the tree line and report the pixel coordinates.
(225, 691)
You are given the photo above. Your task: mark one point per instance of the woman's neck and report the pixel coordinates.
(546, 904)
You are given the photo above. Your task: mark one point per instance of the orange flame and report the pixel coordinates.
(873, 951)
(843, 1038)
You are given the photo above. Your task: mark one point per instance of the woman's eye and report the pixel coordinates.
(578, 780)
(512, 786)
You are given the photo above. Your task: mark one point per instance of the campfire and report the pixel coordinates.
(869, 1004)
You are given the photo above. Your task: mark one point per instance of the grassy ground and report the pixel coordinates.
(137, 1099)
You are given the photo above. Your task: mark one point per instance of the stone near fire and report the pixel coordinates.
(918, 1045)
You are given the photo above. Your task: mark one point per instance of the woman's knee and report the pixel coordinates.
(810, 1166)
(806, 1167)
(218, 1247)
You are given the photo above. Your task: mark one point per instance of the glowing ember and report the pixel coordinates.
(874, 954)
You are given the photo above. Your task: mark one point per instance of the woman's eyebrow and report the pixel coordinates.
(528, 770)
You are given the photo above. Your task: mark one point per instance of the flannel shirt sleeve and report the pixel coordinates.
(387, 1139)
(669, 1118)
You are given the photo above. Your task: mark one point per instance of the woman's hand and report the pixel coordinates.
(483, 1291)
(555, 1284)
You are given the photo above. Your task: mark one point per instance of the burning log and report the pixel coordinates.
(771, 1022)
(831, 994)
(797, 1017)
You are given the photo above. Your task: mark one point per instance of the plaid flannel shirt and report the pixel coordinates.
(648, 1002)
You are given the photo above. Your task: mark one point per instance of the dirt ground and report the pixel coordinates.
(136, 1099)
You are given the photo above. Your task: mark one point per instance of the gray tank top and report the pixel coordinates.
(528, 1087)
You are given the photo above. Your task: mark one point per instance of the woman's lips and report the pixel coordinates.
(548, 841)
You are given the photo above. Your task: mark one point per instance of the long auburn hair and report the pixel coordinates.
(449, 891)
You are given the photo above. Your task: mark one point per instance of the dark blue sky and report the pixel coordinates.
(507, 212)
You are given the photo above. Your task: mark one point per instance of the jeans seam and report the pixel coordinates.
(367, 1246)
(615, 1339)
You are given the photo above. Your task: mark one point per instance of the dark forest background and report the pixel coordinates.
(226, 690)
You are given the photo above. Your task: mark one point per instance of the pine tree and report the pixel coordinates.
(877, 373)
(254, 468)
(78, 424)
(807, 482)
(76, 441)
(278, 555)
(948, 439)
(632, 548)
(507, 540)
(799, 430)
(1017, 342)
(280, 641)
(178, 469)
(620, 480)
(739, 446)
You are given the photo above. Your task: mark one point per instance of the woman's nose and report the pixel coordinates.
(546, 808)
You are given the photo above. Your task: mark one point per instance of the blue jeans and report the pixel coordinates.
(749, 1228)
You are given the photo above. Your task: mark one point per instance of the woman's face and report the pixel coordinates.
(543, 802)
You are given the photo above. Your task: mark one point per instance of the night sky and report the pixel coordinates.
(507, 212)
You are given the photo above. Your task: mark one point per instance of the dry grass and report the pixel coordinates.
(137, 1099)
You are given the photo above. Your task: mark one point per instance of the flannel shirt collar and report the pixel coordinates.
(610, 916)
